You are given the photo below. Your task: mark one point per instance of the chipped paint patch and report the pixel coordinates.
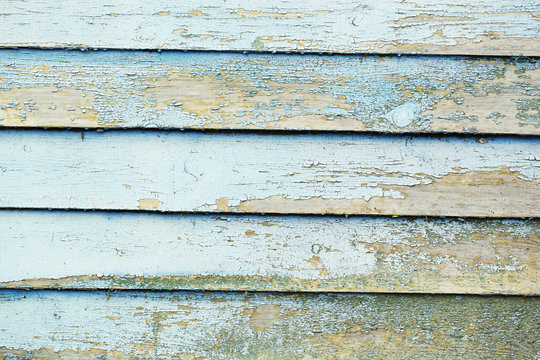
(480, 107)
(47, 107)
(234, 101)
(148, 204)
(414, 200)
(263, 317)
(280, 14)
(222, 204)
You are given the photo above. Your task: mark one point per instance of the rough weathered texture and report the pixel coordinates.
(127, 325)
(472, 27)
(120, 89)
(342, 174)
(157, 251)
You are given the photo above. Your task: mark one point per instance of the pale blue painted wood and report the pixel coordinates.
(279, 173)
(504, 27)
(288, 253)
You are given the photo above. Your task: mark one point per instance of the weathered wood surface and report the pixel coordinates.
(336, 173)
(127, 325)
(41, 249)
(476, 27)
(121, 89)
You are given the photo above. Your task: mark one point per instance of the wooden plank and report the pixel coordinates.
(119, 89)
(41, 249)
(325, 173)
(477, 27)
(128, 325)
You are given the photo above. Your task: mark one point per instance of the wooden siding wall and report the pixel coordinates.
(297, 180)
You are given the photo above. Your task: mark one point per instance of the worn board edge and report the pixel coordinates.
(89, 250)
(128, 325)
(481, 28)
(122, 89)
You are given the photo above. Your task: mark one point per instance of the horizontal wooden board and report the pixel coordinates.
(340, 174)
(128, 325)
(120, 89)
(477, 27)
(42, 249)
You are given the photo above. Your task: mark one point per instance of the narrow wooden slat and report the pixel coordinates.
(127, 325)
(41, 249)
(340, 174)
(119, 89)
(476, 27)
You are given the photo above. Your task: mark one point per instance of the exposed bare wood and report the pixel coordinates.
(120, 89)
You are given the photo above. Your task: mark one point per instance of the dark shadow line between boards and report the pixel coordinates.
(283, 293)
(270, 52)
(270, 132)
(265, 214)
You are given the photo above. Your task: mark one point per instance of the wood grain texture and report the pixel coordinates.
(340, 174)
(474, 27)
(120, 89)
(127, 325)
(41, 249)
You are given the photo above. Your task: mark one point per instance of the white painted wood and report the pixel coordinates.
(279, 173)
(475, 27)
(121, 89)
(130, 325)
(159, 251)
